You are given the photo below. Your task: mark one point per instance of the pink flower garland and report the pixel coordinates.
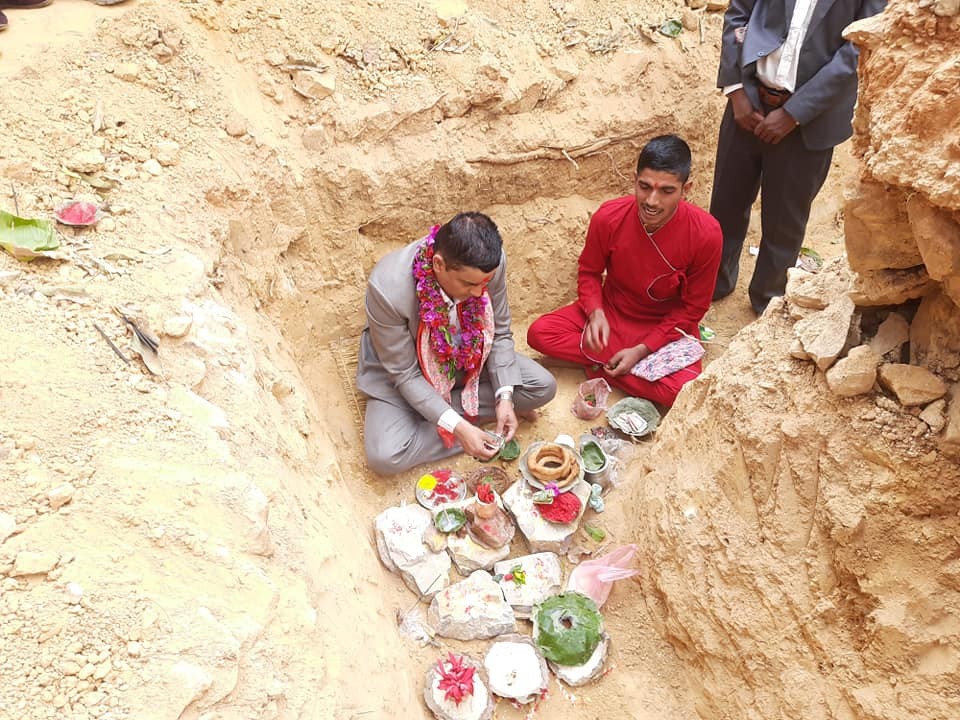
(435, 314)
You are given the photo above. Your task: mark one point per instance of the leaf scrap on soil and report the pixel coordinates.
(26, 238)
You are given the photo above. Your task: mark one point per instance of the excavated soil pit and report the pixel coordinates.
(219, 525)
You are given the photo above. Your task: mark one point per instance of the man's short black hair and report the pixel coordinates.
(666, 153)
(470, 239)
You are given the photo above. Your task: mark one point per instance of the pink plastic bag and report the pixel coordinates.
(591, 399)
(594, 578)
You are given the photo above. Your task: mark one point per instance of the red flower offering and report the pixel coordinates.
(564, 509)
(77, 214)
(457, 681)
(485, 493)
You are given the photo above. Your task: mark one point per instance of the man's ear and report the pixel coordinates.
(686, 186)
(439, 264)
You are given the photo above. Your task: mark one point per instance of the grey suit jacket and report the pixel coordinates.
(827, 72)
(388, 368)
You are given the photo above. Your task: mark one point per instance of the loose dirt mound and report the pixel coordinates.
(197, 545)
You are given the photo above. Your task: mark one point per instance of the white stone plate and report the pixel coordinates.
(531, 480)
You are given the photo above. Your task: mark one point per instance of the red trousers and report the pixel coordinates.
(558, 334)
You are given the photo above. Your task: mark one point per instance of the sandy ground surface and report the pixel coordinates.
(166, 530)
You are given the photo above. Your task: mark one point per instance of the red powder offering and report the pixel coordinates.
(564, 509)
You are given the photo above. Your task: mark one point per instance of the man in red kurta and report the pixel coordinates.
(660, 255)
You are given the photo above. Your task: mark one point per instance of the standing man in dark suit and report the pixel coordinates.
(791, 83)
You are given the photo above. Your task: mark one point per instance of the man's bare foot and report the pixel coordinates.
(528, 415)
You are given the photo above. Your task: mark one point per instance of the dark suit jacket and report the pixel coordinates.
(827, 72)
(388, 368)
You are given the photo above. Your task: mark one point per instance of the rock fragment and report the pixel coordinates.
(912, 385)
(314, 85)
(892, 333)
(128, 71)
(60, 495)
(824, 334)
(177, 326)
(543, 577)
(855, 374)
(153, 167)
(34, 563)
(469, 555)
(516, 669)
(400, 535)
(8, 526)
(541, 535)
(471, 609)
(167, 152)
(935, 415)
(86, 161)
(235, 126)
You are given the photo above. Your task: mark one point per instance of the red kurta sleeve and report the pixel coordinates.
(701, 276)
(593, 263)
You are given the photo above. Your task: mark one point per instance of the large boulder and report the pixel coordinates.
(877, 231)
(935, 335)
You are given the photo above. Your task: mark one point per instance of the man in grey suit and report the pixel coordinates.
(791, 83)
(438, 346)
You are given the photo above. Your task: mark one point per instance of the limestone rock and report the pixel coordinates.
(167, 152)
(541, 535)
(543, 578)
(400, 534)
(717, 5)
(86, 161)
(877, 231)
(8, 526)
(935, 335)
(946, 8)
(313, 84)
(471, 609)
(817, 290)
(893, 332)
(935, 416)
(913, 385)
(235, 126)
(577, 675)
(449, 12)
(188, 683)
(478, 706)
(177, 326)
(34, 563)
(951, 435)
(128, 71)
(824, 334)
(516, 669)
(317, 137)
(469, 555)
(60, 495)
(855, 374)
(890, 287)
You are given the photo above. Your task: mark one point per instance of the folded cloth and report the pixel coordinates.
(669, 359)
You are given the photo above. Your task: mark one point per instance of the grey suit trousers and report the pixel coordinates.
(396, 437)
(789, 177)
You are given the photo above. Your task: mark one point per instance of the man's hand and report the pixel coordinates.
(744, 113)
(506, 420)
(623, 361)
(473, 440)
(775, 126)
(596, 334)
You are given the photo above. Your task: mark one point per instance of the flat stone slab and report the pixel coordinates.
(543, 536)
(824, 334)
(855, 374)
(468, 555)
(912, 384)
(892, 333)
(472, 609)
(516, 669)
(400, 533)
(34, 563)
(576, 675)
(544, 577)
(478, 706)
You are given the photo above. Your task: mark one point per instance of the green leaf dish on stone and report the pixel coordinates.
(450, 520)
(510, 450)
(567, 628)
(593, 457)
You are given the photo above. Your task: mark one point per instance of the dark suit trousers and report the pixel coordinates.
(789, 177)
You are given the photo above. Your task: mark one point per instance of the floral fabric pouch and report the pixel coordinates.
(669, 359)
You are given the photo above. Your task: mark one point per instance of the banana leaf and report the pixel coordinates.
(568, 628)
(26, 238)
